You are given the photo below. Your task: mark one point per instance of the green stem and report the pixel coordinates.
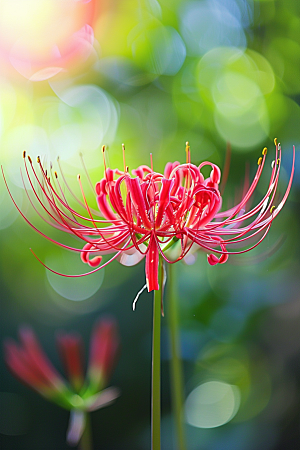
(155, 405)
(176, 366)
(86, 438)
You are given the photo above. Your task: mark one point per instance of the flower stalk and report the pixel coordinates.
(155, 400)
(86, 438)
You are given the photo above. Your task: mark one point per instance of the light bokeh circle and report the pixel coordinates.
(212, 404)
(76, 289)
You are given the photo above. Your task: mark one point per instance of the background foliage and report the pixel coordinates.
(153, 74)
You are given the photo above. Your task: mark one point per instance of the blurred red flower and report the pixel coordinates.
(80, 394)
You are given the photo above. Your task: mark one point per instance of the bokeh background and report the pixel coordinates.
(77, 74)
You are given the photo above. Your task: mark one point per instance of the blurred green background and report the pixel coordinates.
(153, 74)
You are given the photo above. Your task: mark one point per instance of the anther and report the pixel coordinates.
(55, 173)
(24, 154)
(278, 161)
(38, 159)
(265, 150)
(103, 148)
(259, 161)
(272, 209)
(29, 159)
(78, 177)
(275, 141)
(127, 169)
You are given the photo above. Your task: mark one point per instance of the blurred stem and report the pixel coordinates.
(86, 438)
(176, 366)
(155, 404)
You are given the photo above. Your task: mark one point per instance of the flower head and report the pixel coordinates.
(79, 394)
(146, 213)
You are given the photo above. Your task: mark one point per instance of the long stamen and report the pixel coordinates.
(104, 162)
(124, 162)
(64, 197)
(188, 161)
(82, 274)
(226, 168)
(75, 197)
(85, 201)
(69, 189)
(110, 244)
(188, 152)
(55, 208)
(86, 172)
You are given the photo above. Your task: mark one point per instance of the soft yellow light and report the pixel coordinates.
(41, 37)
(38, 22)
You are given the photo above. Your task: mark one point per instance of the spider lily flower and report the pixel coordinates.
(79, 394)
(147, 213)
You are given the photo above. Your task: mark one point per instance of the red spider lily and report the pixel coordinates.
(28, 363)
(147, 213)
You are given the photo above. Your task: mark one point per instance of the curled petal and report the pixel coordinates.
(138, 199)
(94, 262)
(213, 259)
(105, 208)
(169, 168)
(140, 171)
(101, 187)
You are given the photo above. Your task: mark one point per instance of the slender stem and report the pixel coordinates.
(155, 406)
(176, 366)
(86, 438)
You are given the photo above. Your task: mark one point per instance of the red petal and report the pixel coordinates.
(17, 363)
(138, 199)
(164, 200)
(105, 208)
(212, 259)
(94, 262)
(152, 258)
(139, 172)
(71, 351)
(37, 358)
(103, 350)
